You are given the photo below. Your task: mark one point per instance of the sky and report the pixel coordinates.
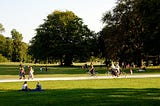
(26, 15)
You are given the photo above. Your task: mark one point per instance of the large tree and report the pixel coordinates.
(150, 10)
(63, 36)
(19, 48)
(129, 29)
(2, 44)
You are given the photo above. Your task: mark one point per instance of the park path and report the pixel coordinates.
(81, 78)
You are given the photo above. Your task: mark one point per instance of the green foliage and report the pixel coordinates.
(19, 48)
(2, 44)
(16, 35)
(13, 49)
(131, 31)
(151, 24)
(8, 49)
(3, 59)
(62, 37)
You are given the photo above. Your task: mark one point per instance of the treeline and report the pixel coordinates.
(13, 49)
(131, 34)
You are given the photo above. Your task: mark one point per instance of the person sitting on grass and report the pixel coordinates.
(38, 87)
(25, 87)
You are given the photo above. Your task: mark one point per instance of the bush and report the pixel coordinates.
(3, 59)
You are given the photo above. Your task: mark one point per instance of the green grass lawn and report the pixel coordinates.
(106, 92)
(10, 71)
(112, 92)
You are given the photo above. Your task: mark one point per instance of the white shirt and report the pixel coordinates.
(113, 67)
(24, 86)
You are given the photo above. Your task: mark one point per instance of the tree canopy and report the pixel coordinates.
(12, 49)
(132, 30)
(63, 37)
(19, 48)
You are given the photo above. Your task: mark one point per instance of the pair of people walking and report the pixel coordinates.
(23, 72)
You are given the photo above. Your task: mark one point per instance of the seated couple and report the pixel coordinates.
(25, 87)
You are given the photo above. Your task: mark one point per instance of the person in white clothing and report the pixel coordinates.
(31, 73)
(117, 67)
(25, 87)
(112, 66)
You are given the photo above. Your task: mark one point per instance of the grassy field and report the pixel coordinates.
(109, 92)
(10, 71)
(106, 92)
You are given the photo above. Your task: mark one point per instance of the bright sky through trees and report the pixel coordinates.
(26, 15)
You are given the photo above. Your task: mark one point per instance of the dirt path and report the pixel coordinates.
(82, 78)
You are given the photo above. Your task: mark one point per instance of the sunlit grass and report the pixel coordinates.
(102, 92)
(112, 92)
(92, 84)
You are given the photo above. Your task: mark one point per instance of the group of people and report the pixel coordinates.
(22, 72)
(115, 69)
(26, 88)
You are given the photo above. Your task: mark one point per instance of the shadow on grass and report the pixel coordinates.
(83, 97)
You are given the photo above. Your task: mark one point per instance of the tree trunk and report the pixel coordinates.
(68, 60)
(61, 62)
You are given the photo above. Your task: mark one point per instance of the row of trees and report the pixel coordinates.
(131, 34)
(62, 38)
(132, 31)
(12, 49)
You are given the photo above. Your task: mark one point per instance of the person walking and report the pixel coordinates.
(92, 69)
(31, 73)
(22, 73)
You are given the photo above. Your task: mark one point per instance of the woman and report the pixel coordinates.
(31, 73)
(25, 86)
